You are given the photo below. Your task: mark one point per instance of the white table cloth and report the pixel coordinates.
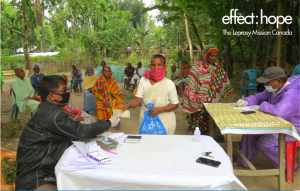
(165, 162)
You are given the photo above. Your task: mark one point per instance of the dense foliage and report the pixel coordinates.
(88, 31)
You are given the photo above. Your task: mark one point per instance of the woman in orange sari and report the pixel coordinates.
(107, 95)
(185, 70)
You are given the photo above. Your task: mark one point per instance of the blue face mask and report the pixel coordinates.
(270, 89)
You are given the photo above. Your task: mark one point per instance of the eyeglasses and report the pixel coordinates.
(63, 91)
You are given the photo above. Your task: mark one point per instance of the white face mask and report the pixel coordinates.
(37, 74)
(270, 89)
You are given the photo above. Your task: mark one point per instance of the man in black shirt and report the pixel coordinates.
(48, 134)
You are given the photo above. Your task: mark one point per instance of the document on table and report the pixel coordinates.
(82, 156)
(248, 108)
(114, 136)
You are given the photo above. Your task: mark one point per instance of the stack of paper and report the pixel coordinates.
(82, 156)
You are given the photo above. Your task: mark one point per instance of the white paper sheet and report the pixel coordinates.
(247, 108)
(114, 136)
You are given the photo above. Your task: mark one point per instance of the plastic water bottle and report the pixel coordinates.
(197, 135)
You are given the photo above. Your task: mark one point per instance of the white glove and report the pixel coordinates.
(242, 103)
(114, 121)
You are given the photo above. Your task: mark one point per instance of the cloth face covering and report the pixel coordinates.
(65, 96)
(157, 74)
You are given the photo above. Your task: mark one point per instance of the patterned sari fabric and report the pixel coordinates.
(207, 83)
(107, 92)
(87, 118)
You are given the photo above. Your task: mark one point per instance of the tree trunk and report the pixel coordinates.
(188, 37)
(285, 41)
(26, 53)
(74, 26)
(256, 51)
(43, 38)
(230, 61)
(196, 33)
(242, 52)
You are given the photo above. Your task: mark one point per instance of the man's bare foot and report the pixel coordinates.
(117, 127)
(237, 163)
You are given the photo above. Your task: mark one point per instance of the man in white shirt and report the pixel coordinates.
(175, 74)
(138, 74)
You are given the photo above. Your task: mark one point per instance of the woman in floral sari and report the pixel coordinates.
(107, 95)
(76, 114)
(207, 83)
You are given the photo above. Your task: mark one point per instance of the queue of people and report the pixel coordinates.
(56, 121)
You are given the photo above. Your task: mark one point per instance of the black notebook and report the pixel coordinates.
(132, 139)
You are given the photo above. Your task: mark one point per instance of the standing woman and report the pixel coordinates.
(89, 103)
(107, 94)
(157, 89)
(207, 83)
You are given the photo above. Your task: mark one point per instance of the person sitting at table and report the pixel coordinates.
(76, 77)
(139, 72)
(76, 114)
(48, 134)
(157, 89)
(89, 102)
(271, 63)
(36, 78)
(107, 94)
(281, 99)
(296, 71)
(185, 69)
(203, 87)
(129, 70)
(24, 92)
(103, 64)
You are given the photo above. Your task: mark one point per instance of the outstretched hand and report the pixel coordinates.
(124, 107)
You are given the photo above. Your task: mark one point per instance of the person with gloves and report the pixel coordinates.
(280, 98)
(47, 135)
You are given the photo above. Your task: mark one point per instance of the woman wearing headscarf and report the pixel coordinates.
(207, 83)
(107, 94)
(157, 89)
(271, 63)
(89, 102)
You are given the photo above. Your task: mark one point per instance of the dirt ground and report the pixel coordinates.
(131, 126)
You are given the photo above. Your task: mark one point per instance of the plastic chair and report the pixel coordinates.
(80, 87)
(6, 154)
(15, 108)
(252, 78)
(291, 150)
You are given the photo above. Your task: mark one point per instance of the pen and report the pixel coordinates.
(242, 99)
(110, 151)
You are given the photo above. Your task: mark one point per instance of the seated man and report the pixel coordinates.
(76, 77)
(175, 74)
(281, 99)
(36, 78)
(24, 92)
(48, 134)
(139, 72)
(89, 102)
(129, 70)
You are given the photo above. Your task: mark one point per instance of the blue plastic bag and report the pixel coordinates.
(152, 125)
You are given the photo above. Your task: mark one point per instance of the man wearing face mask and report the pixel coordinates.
(48, 134)
(281, 99)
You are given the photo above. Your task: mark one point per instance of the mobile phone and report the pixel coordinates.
(248, 112)
(208, 162)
